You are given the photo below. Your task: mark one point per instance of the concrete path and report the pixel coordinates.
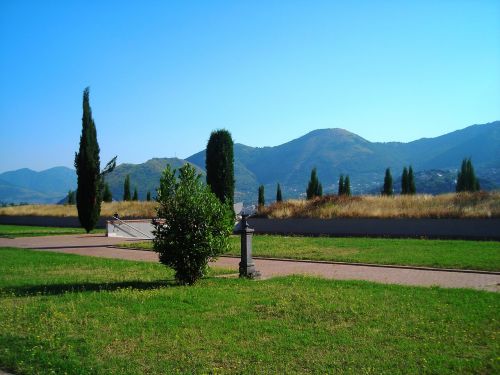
(101, 246)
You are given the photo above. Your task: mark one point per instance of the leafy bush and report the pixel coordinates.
(194, 227)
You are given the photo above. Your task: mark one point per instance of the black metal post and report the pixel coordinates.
(247, 265)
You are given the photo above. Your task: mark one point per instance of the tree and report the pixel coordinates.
(314, 187)
(195, 225)
(405, 182)
(347, 186)
(71, 197)
(219, 165)
(261, 199)
(148, 196)
(388, 189)
(466, 179)
(87, 165)
(126, 188)
(341, 185)
(135, 197)
(106, 195)
(279, 196)
(411, 182)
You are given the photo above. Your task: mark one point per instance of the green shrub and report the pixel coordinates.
(194, 227)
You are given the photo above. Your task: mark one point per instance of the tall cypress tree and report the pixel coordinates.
(412, 189)
(405, 182)
(279, 196)
(314, 187)
(219, 163)
(261, 199)
(148, 196)
(135, 197)
(126, 189)
(466, 179)
(388, 189)
(106, 195)
(87, 165)
(71, 197)
(341, 185)
(347, 186)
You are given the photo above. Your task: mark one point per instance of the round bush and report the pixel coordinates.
(194, 226)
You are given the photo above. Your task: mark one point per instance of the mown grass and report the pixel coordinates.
(32, 231)
(62, 313)
(476, 255)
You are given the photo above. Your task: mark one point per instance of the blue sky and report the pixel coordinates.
(164, 74)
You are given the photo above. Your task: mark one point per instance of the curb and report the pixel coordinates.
(416, 268)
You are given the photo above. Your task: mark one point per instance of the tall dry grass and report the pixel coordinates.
(463, 205)
(124, 209)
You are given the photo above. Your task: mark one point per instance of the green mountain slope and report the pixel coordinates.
(145, 176)
(337, 151)
(331, 151)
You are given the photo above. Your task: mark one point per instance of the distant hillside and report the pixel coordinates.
(331, 151)
(337, 151)
(145, 176)
(26, 185)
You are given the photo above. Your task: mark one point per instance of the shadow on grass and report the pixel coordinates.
(57, 289)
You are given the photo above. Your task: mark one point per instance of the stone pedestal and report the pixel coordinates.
(247, 265)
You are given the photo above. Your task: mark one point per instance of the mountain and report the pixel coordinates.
(337, 151)
(332, 151)
(26, 185)
(145, 177)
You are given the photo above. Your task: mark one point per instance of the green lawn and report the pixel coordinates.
(64, 313)
(479, 255)
(31, 231)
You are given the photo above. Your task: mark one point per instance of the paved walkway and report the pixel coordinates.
(101, 246)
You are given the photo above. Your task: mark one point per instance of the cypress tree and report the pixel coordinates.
(341, 185)
(279, 196)
(347, 186)
(71, 197)
(148, 196)
(106, 195)
(126, 188)
(405, 183)
(466, 179)
(262, 200)
(411, 182)
(135, 197)
(461, 177)
(87, 165)
(314, 187)
(388, 189)
(219, 163)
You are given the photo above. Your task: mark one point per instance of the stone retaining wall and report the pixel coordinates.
(474, 229)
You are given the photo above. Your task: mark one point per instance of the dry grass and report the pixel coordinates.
(124, 209)
(463, 205)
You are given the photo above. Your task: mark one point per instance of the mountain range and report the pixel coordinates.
(332, 151)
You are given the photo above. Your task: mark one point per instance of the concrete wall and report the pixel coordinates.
(141, 229)
(429, 228)
(51, 221)
(480, 229)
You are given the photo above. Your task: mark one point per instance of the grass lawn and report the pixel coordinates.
(31, 231)
(66, 313)
(479, 255)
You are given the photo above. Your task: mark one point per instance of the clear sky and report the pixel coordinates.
(164, 74)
